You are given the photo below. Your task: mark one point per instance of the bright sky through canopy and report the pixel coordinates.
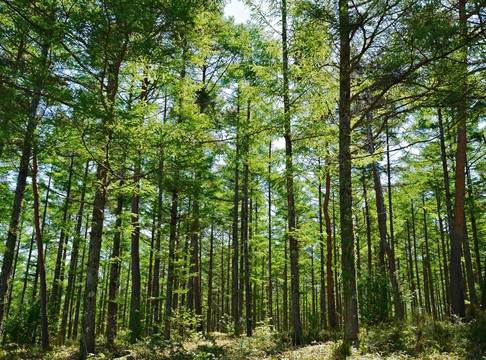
(238, 10)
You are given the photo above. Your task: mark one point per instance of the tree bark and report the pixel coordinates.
(457, 296)
(74, 258)
(56, 293)
(244, 228)
(270, 285)
(321, 243)
(8, 255)
(350, 301)
(331, 313)
(40, 257)
(171, 266)
(380, 207)
(111, 323)
(289, 175)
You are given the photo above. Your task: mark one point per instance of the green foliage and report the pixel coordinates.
(386, 339)
(22, 325)
(155, 348)
(477, 337)
(341, 350)
(426, 337)
(374, 294)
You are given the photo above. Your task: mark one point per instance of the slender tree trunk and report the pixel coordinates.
(390, 202)
(111, 323)
(171, 266)
(135, 324)
(87, 340)
(380, 207)
(331, 313)
(74, 259)
(474, 228)
(285, 306)
(44, 216)
(236, 294)
(321, 243)
(415, 254)
(26, 276)
(244, 229)
(469, 268)
(368, 226)
(444, 256)
(351, 327)
(412, 281)
(40, 257)
(80, 288)
(270, 285)
(427, 261)
(210, 280)
(56, 293)
(293, 242)
(459, 237)
(156, 279)
(9, 252)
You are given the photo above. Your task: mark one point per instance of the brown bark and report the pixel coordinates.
(321, 245)
(40, 257)
(111, 323)
(171, 266)
(87, 340)
(289, 175)
(56, 292)
(244, 229)
(8, 255)
(235, 304)
(270, 285)
(73, 261)
(350, 298)
(210, 281)
(457, 296)
(331, 312)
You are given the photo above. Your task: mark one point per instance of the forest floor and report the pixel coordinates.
(423, 340)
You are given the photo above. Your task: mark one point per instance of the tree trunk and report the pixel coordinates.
(171, 266)
(244, 229)
(135, 324)
(270, 286)
(289, 174)
(331, 313)
(87, 340)
(111, 323)
(8, 255)
(350, 306)
(74, 258)
(56, 293)
(457, 296)
(235, 293)
(321, 243)
(210, 281)
(415, 254)
(40, 257)
(156, 285)
(80, 287)
(380, 207)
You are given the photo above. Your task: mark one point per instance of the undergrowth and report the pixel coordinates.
(421, 338)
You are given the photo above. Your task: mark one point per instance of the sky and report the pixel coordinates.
(238, 10)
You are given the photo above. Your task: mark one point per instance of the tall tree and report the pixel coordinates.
(289, 181)
(351, 327)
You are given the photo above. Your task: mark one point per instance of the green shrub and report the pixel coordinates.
(374, 299)
(477, 337)
(386, 339)
(341, 350)
(21, 326)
